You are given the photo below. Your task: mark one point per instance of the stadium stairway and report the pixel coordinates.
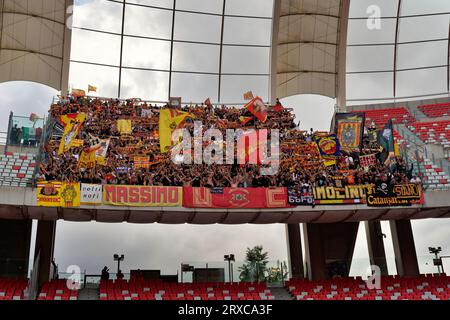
(91, 292)
(281, 293)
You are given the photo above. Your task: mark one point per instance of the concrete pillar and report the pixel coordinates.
(45, 243)
(314, 252)
(295, 256)
(329, 248)
(15, 238)
(375, 244)
(404, 248)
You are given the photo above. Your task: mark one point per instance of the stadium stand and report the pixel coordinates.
(300, 161)
(422, 288)
(437, 132)
(157, 290)
(57, 290)
(432, 176)
(436, 110)
(17, 169)
(12, 289)
(381, 116)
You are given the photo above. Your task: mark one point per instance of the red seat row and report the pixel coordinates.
(57, 290)
(436, 110)
(12, 289)
(391, 288)
(157, 290)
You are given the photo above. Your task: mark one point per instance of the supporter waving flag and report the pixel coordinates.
(169, 121)
(72, 124)
(258, 109)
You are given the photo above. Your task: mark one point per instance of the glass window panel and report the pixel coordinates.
(106, 79)
(424, 28)
(197, 27)
(96, 47)
(421, 82)
(233, 88)
(246, 60)
(147, 85)
(370, 86)
(209, 6)
(98, 15)
(148, 22)
(195, 88)
(425, 54)
(146, 53)
(253, 8)
(415, 7)
(247, 31)
(361, 8)
(195, 57)
(371, 58)
(154, 3)
(358, 33)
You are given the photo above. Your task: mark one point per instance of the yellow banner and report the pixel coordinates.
(142, 196)
(58, 194)
(87, 159)
(124, 126)
(169, 121)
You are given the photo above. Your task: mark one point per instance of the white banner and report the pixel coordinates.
(91, 194)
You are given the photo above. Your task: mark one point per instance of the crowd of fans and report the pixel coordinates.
(300, 161)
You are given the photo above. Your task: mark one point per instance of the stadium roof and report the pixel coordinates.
(195, 49)
(32, 41)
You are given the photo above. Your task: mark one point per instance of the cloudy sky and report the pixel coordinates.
(91, 245)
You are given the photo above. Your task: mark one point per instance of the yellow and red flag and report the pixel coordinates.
(72, 124)
(258, 109)
(92, 88)
(169, 121)
(76, 93)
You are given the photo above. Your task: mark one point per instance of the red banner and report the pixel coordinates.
(233, 198)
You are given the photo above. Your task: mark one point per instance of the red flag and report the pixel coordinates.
(258, 109)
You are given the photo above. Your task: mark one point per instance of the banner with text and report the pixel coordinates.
(91, 194)
(301, 196)
(142, 196)
(58, 194)
(384, 195)
(233, 198)
(344, 195)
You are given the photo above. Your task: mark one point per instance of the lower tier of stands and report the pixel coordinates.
(12, 289)
(151, 290)
(421, 288)
(57, 290)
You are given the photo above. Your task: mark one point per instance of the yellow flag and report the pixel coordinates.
(87, 159)
(72, 125)
(169, 121)
(124, 126)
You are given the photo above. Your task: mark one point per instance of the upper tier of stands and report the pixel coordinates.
(381, 117)
(157, 290)
(421, 288)
(436, 110)
(437, 132)
(17, 169)
(300, 161)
